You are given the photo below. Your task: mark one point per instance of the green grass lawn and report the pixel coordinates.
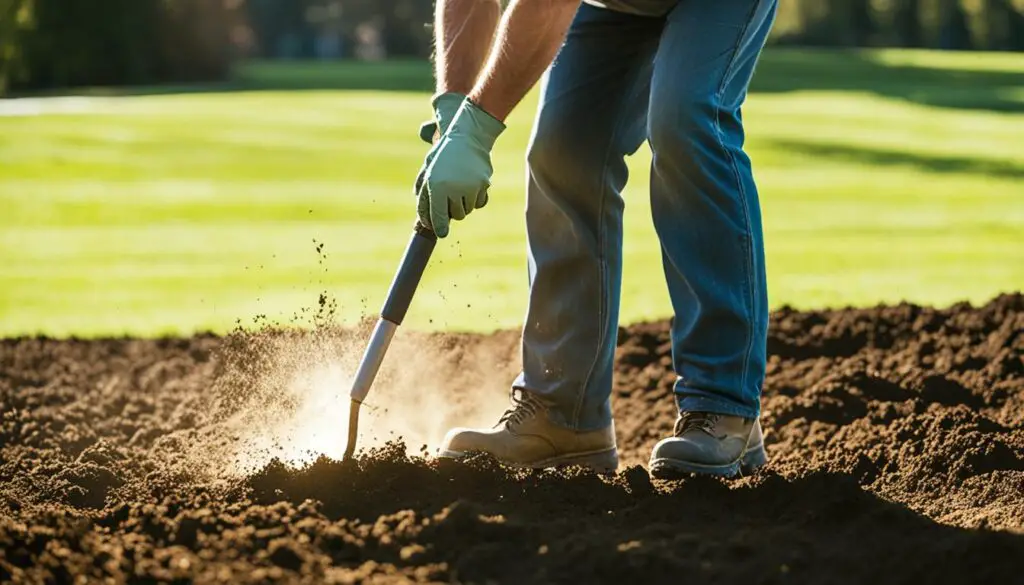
(884, 176)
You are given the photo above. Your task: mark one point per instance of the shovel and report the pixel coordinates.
(417, 254)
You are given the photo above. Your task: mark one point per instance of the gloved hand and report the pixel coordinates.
(456, 179)
(445, 106)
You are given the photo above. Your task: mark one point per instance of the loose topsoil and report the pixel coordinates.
(895, 436)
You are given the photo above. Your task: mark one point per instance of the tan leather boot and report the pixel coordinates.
(525, 437)
(709, 443)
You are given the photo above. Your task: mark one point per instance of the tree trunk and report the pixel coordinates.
(908, 24)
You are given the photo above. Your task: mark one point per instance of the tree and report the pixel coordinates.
(13, 16)
(862, 22)
(1003, 25)
(907, 23)
(64, 43)
(954, 33)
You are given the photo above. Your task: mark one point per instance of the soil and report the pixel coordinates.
(895, 436)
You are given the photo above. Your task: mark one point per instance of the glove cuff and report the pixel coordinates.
(474, 120)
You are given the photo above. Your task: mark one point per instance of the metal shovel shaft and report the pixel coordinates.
(417, 254)
(368, 367)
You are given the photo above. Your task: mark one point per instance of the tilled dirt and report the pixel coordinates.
(896, 438)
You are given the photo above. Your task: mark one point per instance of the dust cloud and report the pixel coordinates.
(282, 393)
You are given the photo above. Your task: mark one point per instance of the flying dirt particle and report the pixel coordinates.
(412, 551)
(627, 546)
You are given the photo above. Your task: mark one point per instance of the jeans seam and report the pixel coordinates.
(730, 66)
(602, 261)
(749, 252)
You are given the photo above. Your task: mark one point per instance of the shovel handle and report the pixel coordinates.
(417, 254)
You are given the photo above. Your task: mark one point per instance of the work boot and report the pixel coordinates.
(525, 437)
(709, 443)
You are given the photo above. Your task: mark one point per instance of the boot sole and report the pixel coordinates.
(665, 468)
(604, 461)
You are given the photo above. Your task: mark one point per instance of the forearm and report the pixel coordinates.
(464, 33)
(529, 37)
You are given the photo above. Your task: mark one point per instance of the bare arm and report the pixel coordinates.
(529, 37)
(463, 37)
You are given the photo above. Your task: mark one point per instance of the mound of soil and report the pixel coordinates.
(895, 436)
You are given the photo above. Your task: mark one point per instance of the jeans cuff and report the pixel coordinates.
(706, 404)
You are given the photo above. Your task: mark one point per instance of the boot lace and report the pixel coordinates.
(697, 421)
(524, 405)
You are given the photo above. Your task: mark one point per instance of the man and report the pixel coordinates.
(673, 73)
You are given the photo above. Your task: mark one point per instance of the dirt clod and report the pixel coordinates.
(895, 436)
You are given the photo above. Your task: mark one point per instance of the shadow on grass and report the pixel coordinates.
(781, 70)
(785, 70)
(878, 157)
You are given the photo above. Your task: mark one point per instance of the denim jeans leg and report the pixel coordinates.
(592, 114)
(704, 202)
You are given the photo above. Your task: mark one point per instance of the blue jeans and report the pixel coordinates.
(677, 81)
